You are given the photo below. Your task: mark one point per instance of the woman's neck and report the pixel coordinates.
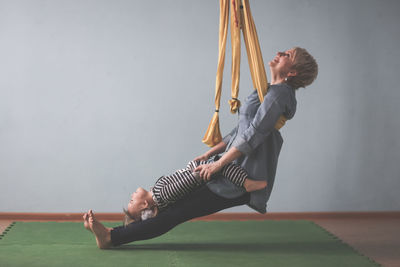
(276, 79)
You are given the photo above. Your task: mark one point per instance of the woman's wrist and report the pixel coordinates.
(219, 164)
(216, 150)
(208, 154)
(232, 154)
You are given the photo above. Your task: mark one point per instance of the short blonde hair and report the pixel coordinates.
(306, 68)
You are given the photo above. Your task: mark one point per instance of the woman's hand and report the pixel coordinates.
(202, 157)
(206, 170)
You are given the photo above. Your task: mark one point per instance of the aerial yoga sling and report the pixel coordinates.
(241, 19)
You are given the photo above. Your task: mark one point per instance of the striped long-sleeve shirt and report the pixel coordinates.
(169, 189)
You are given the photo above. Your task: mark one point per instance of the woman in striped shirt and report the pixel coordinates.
(171, 188)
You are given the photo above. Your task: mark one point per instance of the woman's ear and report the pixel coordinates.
(292, 73)
(145, 204)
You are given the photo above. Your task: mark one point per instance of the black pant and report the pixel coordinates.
(199, 203)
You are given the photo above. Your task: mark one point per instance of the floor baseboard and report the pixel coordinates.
(24, 216)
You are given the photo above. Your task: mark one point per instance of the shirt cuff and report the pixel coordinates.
(226, 138)
(242, 145)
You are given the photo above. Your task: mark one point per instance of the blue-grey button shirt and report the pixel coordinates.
(256, 137)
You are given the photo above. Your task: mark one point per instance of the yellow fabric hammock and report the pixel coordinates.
(241, 19)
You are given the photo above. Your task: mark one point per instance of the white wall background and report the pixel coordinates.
(100, 97)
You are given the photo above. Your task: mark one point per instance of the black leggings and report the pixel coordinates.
(199, 203)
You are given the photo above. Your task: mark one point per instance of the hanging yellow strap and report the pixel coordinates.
(213, 134)
(256, 64)
(254, 55)
(234, 103)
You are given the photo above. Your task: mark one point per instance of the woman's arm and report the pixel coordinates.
(220, 147)
(264, 121)
(261, 126)
(206, 170)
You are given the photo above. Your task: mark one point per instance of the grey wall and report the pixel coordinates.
(100, 97)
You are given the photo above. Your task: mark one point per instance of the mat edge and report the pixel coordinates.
(346, 244)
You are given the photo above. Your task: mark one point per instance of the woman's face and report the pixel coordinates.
(282, 63)
(137, 203)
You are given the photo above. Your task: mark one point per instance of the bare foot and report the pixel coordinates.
(86, 221)
(103, 234)
(254, 185)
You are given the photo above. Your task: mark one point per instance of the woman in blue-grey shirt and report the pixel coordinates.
(254, 144)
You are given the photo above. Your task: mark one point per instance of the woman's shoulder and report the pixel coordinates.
(281, 88)
(285, 96)
(281, 92)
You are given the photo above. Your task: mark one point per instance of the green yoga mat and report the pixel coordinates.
(233, 243)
